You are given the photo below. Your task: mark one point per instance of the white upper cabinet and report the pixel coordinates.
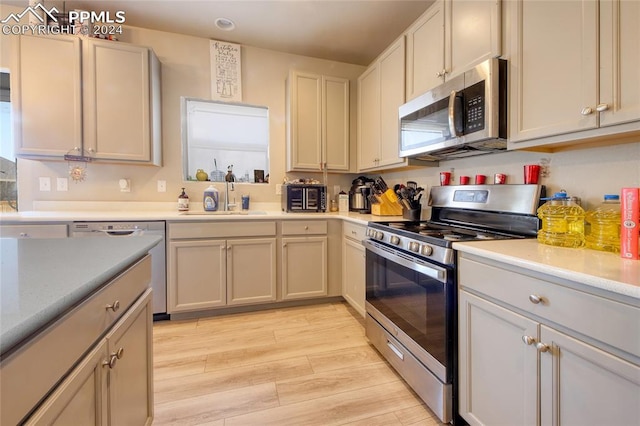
(381, 91)
(118, 101)
(425, 51)
(74, 95)
(566, 82)
(46, 94)
(318, 122)
(619, 62)
(472, 33)
(448, 39)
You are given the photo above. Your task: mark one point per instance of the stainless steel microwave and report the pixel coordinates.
(463, 117)
(304, 198)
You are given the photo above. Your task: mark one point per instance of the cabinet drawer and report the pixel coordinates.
(354, 231)
(218, 229)
(303, 227)
(33, 231)
(608, 321)
(48, 357)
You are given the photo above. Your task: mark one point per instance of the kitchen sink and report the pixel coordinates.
(226, 213)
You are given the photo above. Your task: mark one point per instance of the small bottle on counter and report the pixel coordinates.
(210, 199)
(183, 202)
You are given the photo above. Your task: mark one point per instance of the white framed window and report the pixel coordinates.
(216, 135)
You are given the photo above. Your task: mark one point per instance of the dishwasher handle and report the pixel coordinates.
(121, 232)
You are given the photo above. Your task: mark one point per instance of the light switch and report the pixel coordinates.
(62, 184)
(45, 184)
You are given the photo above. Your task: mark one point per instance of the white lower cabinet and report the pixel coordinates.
(304, 259)
(353, 266)
(113, 383)
(205, 272)
(534, 352)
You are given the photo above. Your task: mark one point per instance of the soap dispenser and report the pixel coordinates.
(210, 199)
(183, 201)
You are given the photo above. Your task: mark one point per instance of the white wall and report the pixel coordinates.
(586, 173)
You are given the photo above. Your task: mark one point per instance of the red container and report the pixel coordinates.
(464, 180)
(499, 178)
(445, 178)
(531, 173)
(480, 179)
(630, 219)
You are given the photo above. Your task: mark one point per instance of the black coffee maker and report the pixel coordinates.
(359, 195)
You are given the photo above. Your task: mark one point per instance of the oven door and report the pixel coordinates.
(413, 300)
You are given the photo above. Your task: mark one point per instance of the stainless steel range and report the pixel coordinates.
(411, 280)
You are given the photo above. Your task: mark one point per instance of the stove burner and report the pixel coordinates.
(486, 237)
(453, 237)
(398, 225)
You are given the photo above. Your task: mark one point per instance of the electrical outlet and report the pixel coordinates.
(278, 189)
(162, 186)
(45, 184)
(125, 185)
(62, 184)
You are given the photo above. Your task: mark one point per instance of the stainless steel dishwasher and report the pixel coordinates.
(132, 230)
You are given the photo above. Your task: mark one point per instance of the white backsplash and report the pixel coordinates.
(586, 173)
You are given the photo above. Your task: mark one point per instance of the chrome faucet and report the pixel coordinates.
(227, 204)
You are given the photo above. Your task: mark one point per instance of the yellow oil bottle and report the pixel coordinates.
(604, 225)
(562, 222)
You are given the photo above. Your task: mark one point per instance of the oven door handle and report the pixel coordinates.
(414, 264)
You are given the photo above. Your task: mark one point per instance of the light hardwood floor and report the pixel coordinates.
(308, 365)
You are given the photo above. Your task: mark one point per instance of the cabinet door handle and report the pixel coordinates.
(528, 340)
(119, 353)
(111, 362)
(541, 347)
(535, 299)
(586, 111)
(306, 228)
(114, 306)
(602, 107)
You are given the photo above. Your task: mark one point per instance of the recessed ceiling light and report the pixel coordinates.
(225, 24)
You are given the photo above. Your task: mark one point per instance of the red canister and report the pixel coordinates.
(499, 178)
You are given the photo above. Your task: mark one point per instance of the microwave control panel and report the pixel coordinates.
(474, 98)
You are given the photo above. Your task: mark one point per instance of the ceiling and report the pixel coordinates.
(354, 31)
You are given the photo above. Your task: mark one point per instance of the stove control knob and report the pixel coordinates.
(379, 235)
(395, 240)
(426, 250)
(413, 246)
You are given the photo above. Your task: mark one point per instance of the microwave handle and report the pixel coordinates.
(455, 114)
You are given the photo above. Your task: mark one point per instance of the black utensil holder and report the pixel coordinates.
(412, 214)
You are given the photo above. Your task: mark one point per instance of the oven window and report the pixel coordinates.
(415, 303)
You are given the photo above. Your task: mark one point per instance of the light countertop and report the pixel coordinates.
(42, 278)
(173, 216)
(602, 270)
